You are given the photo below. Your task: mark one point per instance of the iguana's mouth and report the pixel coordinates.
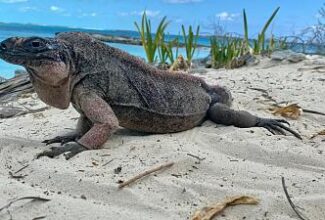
(12, 57)
(19, 57)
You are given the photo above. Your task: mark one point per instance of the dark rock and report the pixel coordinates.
(117, 39)
(10, 111)
(14, 87)
(2, 79)
(287, 55)
(20, 72)
(117, 170)
(202, 62)
(252, 61)
(296, 57)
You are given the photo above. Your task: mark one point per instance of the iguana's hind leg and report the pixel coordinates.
(83, 125)
(220, 95)
(222, 114)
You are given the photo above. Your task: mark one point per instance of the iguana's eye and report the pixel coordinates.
(37, 44)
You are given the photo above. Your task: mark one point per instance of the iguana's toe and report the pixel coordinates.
(70, 149)
(61, 139)
(276, 126)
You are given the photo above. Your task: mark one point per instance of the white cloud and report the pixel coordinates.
(149, 13)
(12, 1)
(92, 14)
(182, 1)
(56, 9)
(27, 9)
(226, 16)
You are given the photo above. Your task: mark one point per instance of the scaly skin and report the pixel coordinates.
(111, 88)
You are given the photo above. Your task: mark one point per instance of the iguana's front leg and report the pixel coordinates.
(223, 114)
(104, 123)
(83, 125)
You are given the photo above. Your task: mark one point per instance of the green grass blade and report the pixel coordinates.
(267, 24)
(245, 27)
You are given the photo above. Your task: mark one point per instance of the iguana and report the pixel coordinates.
(111, 88)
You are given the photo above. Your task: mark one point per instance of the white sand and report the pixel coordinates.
(237, 161)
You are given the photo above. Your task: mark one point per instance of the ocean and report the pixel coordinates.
(9, 30)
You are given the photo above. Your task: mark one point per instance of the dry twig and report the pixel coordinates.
(290, 201)
(139, 176)
(39, 217)
(208, 213)
(21, 169)
(107, 162)
(196, 157)
(266, 95)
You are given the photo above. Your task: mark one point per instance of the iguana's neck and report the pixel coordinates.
(56, 96)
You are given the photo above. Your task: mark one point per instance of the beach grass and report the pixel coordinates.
(224, 49)
(190, 41)
(150, 43)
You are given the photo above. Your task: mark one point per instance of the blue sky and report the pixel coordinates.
(121, 14)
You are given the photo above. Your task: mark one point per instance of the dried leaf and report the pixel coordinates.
(207, 213)
(322, 132)
(292, 111)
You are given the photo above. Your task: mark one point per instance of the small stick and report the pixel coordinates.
(21, 169)
(139, 176)
(16, 176)
(196, 157)
(39, 217)
(313, 112)
(290, 201)
(107, 162)
(22, 198)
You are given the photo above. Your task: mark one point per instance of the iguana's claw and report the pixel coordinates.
(70, 149)
(275, 126)
(61, 139)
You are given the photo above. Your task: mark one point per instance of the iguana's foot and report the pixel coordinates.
(275, 126)
(72, 149)
(62, 139)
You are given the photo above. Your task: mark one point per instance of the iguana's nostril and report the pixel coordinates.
(3, 46)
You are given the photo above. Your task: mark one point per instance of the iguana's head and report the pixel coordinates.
(49, 64)
(44, 58)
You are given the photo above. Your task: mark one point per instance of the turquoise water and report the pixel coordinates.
(10, 30)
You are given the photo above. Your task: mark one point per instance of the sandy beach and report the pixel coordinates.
(211, 162)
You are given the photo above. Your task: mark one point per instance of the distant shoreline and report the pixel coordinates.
(128, 40)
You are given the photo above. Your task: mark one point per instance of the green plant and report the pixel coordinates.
(190, 41)
(259, 44)
(150, 43)
(223, 53)
(282, 43)
(170, 52)
(162, 50)
(166, 50)
(246, 40)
